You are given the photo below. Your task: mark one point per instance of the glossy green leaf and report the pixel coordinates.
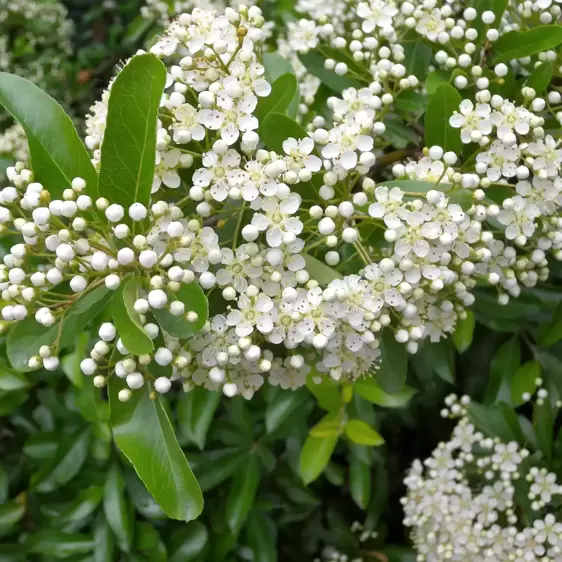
(276, 128)
(242, 493)
(25, 339)
(369, 389)
(464, 332)
(283, 405)
(283, 91)
(506, 361)
(359, 482)
(149, 543)
(217, 469)
(543, 422)
(117, 511)
(497, 7)
(315, 454)
(82, 506)
(187, 544)
(524, 381)
(128, 151)
(329, 426)
(394, 364)
(435, 79)
(417, 55)
(57, 153)
(127, 321)
(540, 78)
(4, 484)
(51, 542)
(10, 379)
(10, 513)
(442, 104)
(41, 446)
(71, 363)
(326, 391)
(275, 66)
(362, 433)
(70, 456)
(551, 332)
(261, 536)
(520, 44)
(411, 101)
(314, 63)
(319, 271)
(196, 412)
(104, 547)
(143, 432)
(194, 299)
(496, 420)
(398, 133)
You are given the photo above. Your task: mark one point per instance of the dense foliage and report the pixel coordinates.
(255, 262)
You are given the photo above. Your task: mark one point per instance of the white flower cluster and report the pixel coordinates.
(464, 502)
(252, 226)
(13, 143)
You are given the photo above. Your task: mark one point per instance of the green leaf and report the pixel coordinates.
(71, 454)
(283, 405)
(315, 454)
(524, 381)
(504, 364)
(417, 56)
(550, 333)
(543, 421)
(521, 44)
(261, 537)
(71, 363)
(314, 63)
(10, 513)
(326, 391)
(435, 79)
(276, 128)
(394, 364)
(57, 153)
(143, 432)
(275, 66)
(50, 542)
(83, 506)
(362, 433)
(464, 331)
(399, 134)
(11, 379)
(497, 420)
(319, 271)
(127, 321)
(442, 104)
(117, 511)
(104, 548)
(128, 151)
(282, 94)
(196, 412)
(242, 493)
(369, 389)
(329, 426)
(540, 78)
(359, 482)
(217, 469)
(194, 299)
(4, 484)
(409, 100)
(149, 543)
(188, 543)
(25, 339)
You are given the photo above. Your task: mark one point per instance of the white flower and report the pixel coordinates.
(376, 13)
(186, 125)
(276, 218)
(252, 313)
(300, 151)
(511, 117)
(217, 172)
(501, 160)
(165, 171)
(472, 119)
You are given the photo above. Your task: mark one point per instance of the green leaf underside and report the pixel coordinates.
(282, 93)
(371, 391)
(194, 299)
(143, 432)
(57, 153)
(25, 339)
(442, 104)
(128, 150)
(127, 321)
(318, 270)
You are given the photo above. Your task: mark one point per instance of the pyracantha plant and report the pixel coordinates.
(243, 225)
